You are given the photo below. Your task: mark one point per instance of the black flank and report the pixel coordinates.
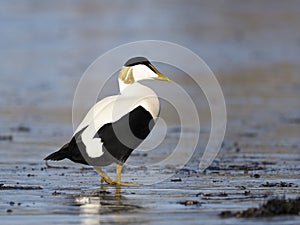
(114, 134)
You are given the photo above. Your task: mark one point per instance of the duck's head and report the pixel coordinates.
(139, 68)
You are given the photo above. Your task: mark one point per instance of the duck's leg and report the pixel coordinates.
(104, 176)
(118, 173)
(118, 177)
(107, 179)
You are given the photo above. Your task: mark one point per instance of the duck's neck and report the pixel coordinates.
(123, 86)
(136, 86)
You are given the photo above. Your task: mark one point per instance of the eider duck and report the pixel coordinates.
(118, 124)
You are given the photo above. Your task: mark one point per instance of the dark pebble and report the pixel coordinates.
(241, 187)
(56, 193)
(215, 181)
(226, 214)
(248, 134)
(104, 192)
(176, 180)
(213, 168)
(190, 202)
(4, 187)
(247, 192)
(21, 129)
(187, 171)
(6, 137)
(223, 194)
(220, 194)
(256, 175)
(280, 184)
(11, 203)
(9, 211)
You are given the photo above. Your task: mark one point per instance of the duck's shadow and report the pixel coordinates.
(105, 200)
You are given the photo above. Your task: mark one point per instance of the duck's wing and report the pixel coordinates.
(94, 112)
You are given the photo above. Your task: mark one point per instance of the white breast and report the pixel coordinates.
(111, 109)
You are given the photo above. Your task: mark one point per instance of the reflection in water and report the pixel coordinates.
(100, 203)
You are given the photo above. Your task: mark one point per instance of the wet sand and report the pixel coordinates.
(258, 161)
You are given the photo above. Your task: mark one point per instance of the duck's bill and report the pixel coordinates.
(160, 76)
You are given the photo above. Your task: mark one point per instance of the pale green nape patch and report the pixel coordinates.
(126, 75)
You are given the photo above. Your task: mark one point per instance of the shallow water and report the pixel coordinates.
(252, 47)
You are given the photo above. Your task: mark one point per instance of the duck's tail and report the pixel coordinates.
(60, 154)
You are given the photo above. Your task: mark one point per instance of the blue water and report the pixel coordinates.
(47, 45)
